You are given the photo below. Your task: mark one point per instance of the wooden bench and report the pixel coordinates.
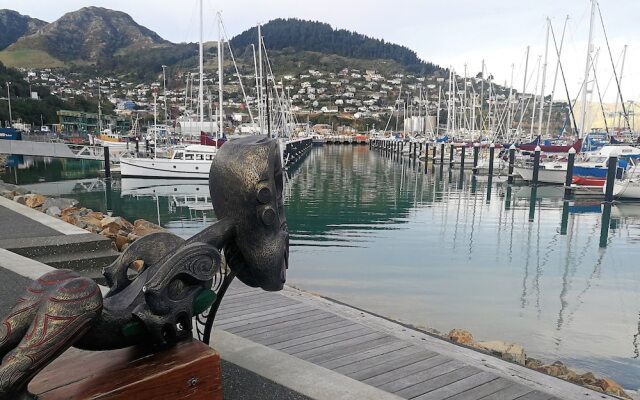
(189, 370)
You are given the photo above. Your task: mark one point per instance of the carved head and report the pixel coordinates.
(246, 185)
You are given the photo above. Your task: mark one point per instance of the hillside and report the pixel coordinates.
(14, 25)
(299, 35)
(82, 37)
(35, 111)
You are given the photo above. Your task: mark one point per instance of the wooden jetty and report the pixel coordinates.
(380, 353)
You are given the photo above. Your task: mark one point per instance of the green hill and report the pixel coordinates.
(296, 35)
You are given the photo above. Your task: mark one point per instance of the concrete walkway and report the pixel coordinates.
(52, 241)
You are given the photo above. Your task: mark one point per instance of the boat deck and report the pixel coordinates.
(381, 353)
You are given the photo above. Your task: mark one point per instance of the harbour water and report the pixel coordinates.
(441, 250)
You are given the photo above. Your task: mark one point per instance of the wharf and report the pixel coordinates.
(381, 358)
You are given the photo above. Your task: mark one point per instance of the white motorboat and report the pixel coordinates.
(192, 162)
(625, 188)
(549, 172)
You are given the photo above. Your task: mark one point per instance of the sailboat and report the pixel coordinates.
(190, 162)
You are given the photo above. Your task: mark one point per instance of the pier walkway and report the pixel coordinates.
(52, 149)
(397, 361)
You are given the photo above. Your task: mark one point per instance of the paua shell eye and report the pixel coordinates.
(264, 195)
(268, 216)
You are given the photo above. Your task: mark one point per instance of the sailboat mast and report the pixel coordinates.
(99, 109)
(535, 90)
(438, 110)
(155, 124)
(510, 105)
(260, 77)
(555, 77)
(220, 67)
(624, 56)
(201, 60)
(524, 88)
(481, 126)
(544, 77)
(587, 68)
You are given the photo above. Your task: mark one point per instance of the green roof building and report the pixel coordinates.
(87, 123)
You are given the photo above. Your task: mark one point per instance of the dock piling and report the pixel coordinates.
(426, 156)
(612, 166)
(492, 151)
(442, 154)
(451, 153)
(107, 163)
(536, 166)
(569, 179)
(414, 152)
(464, 148)
(512, 160)
(476, 153)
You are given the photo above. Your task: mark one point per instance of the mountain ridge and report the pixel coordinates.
(14, 25)
(104, 39)
(87, 36)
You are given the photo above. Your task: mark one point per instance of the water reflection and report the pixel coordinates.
(434, 249)
(530, 269)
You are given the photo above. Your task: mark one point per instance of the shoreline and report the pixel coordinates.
(123, 232)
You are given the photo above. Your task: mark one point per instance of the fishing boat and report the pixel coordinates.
(192, 162)
(109, 138)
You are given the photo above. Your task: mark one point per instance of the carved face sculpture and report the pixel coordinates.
(247, 175)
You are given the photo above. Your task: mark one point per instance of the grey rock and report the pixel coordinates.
(21, 199)
(60, 202)
(53, 211)
(8, 194)
(508, 351)
(81, 224)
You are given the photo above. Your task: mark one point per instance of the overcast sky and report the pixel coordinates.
(449, 33)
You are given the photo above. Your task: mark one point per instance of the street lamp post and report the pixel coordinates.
(9, 100)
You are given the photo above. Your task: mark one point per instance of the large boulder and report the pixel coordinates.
(54, 211)
(121, 241)
(116, 224)
(611, 387)
(507, 351)
(91, 220)
(59, 202)
(8, 194)
(461, 336)
(142, 227)
(31, 200)
(13, 188)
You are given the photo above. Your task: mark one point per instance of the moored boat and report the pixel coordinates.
(192, 162)
(625, 188)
